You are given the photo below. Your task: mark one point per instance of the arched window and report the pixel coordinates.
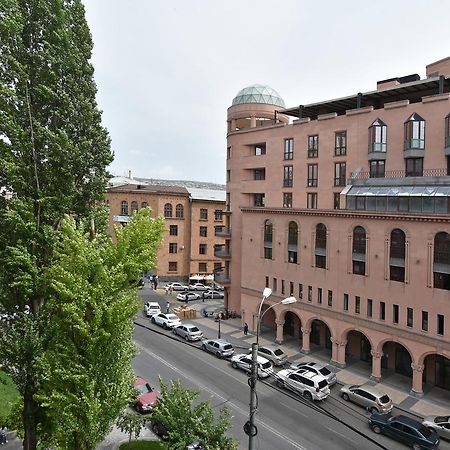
(144, 205)
(179, 211)
(415, 133)
(321, 246)
(441, 265)
(378, 137)
(124, 208)
(359, 251)
(292, 242)
(134, 207)
(397, 255)
(168, 210)
(268, 239)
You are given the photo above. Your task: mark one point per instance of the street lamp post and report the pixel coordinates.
(218, 333)
(250, 427)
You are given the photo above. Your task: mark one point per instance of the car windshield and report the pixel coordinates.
(441, 419)
(227, 347)
(144, 388)
(172, 317)
(324, 371)
(278, 352)
(192, 329)
(425, 431)
(385, 399)
(322, 384)
(266, 365)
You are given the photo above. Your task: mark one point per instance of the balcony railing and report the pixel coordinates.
(222, 278)
(223, 232)
(441, 172)
(222, 252)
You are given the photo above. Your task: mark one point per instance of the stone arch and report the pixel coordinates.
(423, 356)
(379, 348)
(435, 367)
(344, 334)
(309, 322)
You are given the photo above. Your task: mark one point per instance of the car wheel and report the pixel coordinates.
(376, 429)
(218, 355)
(234, 365)
(165, 325)
(174, 330)
(345, 397)
(416, 446)
(186, 338)
(153, 320)
(307, 395)
(374, 410)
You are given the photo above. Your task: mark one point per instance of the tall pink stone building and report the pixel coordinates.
(345, 204)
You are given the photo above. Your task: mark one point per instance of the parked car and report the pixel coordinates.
(188, 296)
(406, 430)
(219, 347)
(274, 354)
(176, 287)
(440, 424)
(166, 320)
(368, 397)
(146, 397)
(198, 287)
(319, 369)
(304, 382)
(152, 308)
(244, 362)
(188, 331)
(161, 430)
(212, 294)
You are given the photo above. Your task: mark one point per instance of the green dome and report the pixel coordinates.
(258, 93)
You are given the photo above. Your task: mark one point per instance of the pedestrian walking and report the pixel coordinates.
(168, 308)
(155, 281)
(3, 435)
(203, 297)
(245, 329)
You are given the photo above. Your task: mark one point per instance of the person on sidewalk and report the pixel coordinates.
(245, 329)
(3, 435)
(168, 308)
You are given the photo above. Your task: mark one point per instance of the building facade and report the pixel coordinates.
(194, 220)
(345, 204)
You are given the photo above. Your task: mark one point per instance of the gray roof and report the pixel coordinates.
(207, 194)
(150, 188)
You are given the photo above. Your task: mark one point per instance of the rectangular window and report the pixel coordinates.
(345, 302)
(300, 291)
(217, 267)
(173, 247)
(336, 200)
(288, 177)
(173, 230)
(382, 311)
(289, 149)
(228, 175)
(260, 174)
(424, 320)
(330, 298)
(409, 317)
(282, 287)
(203, 231)
(203, 214)
(260, 149)
(228, 152)
(440, 324)
(267, 281)
(259, 199)
(287, 199)
(309, 293)
(291, 288)
(274, 285)
(312, 200)
(414, 167)
(202, 249)
(395, 313)
(173, 266)
(340, 146)
(369, 307)
(268, 252)
(218, 215)
(319, 296)
(202, 267)
(339, 174)
(313, 146)
(313, 175)
(357, 305)
(377, 169)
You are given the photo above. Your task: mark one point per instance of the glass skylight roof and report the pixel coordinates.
(258, 93)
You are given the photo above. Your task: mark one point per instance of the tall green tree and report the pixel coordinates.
(53, 157)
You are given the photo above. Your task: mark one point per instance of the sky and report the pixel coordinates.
(166, 71)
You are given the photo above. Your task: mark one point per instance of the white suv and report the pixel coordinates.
(152, 308)
(304, 382)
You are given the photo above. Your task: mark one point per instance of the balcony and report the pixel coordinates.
(222, 232)
(222, 251)
(222, 278)
(400, 177)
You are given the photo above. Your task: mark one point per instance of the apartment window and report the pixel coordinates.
(288, 177)
(218, 267)
(339, 174)
(202, 267)
(292, 242)
(179, 211)
(409, 317)
(291, 288)
(228, 152)
(313, 175)
(424, 320)
(287, 199)
(282, 287)
(124, 208)
(260, 149)
(173, 247)
(203, 214)
(218, 215)
(267, 282)
(203, 231)
(397, 255)
(134, 207)
(173, 230)
(144, 205)
(440, 324)
(274, 285)
(345, 302)
(357, 305)
(168, 210)
(382, 311)
(378, 137)
(330, 298)
(447, 130)
(268, 239)
(173, 266)
(309, 293)
(359, 251)
(340, 143)
(395, 313)
(289, 149)
(336, 200)
(441, 261)
(414, 133)
(319, 296)
(321, 246)
(414, 167)
(259, 199)
(369, 307)
(260, 174)
(311, 200)
(202, 249)
(313, 146)
(377, 169)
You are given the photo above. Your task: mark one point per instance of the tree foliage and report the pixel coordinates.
(187, 422)
(130, 423)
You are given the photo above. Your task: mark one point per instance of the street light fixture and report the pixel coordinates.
(250, 427)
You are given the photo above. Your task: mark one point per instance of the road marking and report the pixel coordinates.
(224, 400)
(341, 435)
(293, 409)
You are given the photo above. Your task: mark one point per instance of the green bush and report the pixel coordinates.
(8, 395)
(143, 445)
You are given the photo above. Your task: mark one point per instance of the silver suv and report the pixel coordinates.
(219, 347)
(368, 397)
(304, 382)
(188, 331)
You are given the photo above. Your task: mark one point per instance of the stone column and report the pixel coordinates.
(305, 340)
(279, 338)
(252, 122)
(233, 124)
(376, 366)
(340, 353)
(417, 381)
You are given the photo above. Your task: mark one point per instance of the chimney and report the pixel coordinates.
(129, 174)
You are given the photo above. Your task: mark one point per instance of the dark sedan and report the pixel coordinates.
(406, 430)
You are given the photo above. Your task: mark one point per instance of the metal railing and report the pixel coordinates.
(441, 172)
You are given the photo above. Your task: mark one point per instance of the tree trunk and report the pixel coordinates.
(29, 421)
